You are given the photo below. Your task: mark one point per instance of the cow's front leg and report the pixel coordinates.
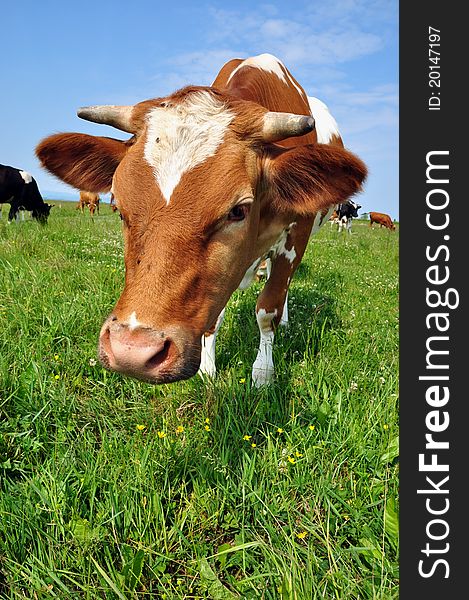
(268, 269)
(272, 300)
(263, 367)
(271, 305)
(12, 213)
(207, 358)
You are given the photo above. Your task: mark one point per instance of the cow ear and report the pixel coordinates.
(83, 161)
(307, 179)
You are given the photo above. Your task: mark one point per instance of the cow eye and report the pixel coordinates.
(238, 212)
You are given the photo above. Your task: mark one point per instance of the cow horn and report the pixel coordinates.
(119, 117)
(280, 125)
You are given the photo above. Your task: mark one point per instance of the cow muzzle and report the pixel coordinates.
(148, 354)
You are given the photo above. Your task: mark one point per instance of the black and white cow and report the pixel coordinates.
(19, 189)
(345, 213)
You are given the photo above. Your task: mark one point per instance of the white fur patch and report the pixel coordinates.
(207, 357)
(319, 220)
(266, 62)
(326, 125)
(27, 177)
(133, 321)
(271, 64)
(280, 246)
(249, 275)
(284, 319)
(181, 137)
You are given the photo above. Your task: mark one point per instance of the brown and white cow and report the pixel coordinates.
(382, 219)
(213, 180)
(89, 199)
(334, 218)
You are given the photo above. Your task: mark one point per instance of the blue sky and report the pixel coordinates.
(57, 56)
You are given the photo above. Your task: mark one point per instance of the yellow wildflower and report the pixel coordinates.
(161, 434)
(179, 429)
(242, 380)
(207, 420)
(312, 427)
(56, 356)
(298, 454)
(253, 445)
(301, 535)
(140, 427)
(247, 437)
(207, 428)
(56, 376)
(291, 460)
(279, 430)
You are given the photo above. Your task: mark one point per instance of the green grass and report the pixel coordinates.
(112, 488)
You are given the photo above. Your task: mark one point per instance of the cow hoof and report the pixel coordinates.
(262, 377)
(207, 372)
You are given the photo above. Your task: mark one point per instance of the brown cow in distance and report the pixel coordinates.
(213, 180)
(382, 219)
(89, 199)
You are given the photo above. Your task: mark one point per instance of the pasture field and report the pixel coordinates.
(113, 488)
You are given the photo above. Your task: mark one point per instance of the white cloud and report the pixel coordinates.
(305, 39)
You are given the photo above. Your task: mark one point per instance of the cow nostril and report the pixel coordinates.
(105, 339)
(160, 356)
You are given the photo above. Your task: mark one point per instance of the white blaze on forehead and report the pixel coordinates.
(326, 125)
(133, 321)
(27, 177)
(182, 136)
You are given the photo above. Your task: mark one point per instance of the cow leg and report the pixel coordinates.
(263, 367)
(284, 318)
(349, 226)
(270, 308)
(207, 358)
(12, 213)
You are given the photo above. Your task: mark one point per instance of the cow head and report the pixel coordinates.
(41, 212)
(195, 186)
(353, 208)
